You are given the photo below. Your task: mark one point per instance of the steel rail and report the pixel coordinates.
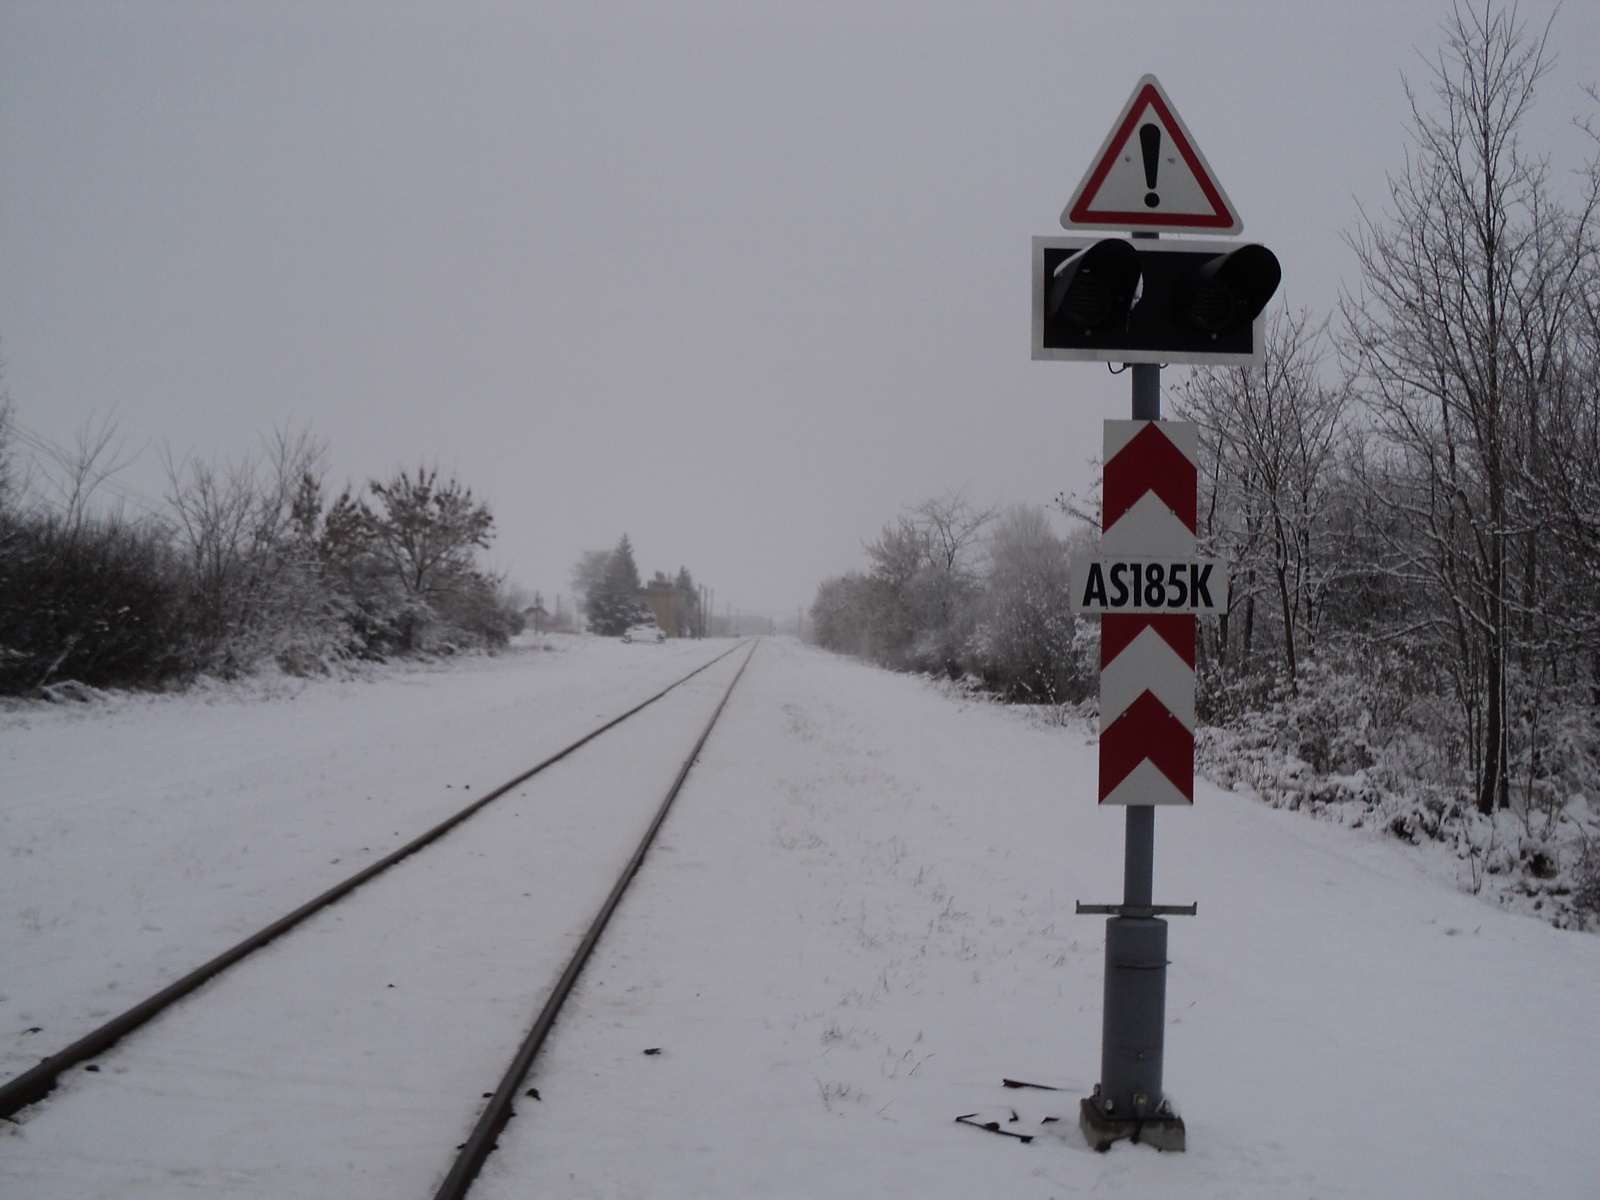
(482, 1140)
(39, 1081)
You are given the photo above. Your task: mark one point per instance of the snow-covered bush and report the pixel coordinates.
(916, 609)
(250, 567)
(1354, 747)
(943, 600)
(1586, 881)
(94, 599)
(1027, 644)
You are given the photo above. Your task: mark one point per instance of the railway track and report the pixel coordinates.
(35, 1085)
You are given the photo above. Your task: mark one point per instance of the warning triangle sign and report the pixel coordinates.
(1149, 175)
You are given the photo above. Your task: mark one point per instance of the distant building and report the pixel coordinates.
(534, 615)
(670, 606)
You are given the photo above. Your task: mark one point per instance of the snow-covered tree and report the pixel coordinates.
(427, 532)
(588, 573)
(691, 617)
(612, 603)
(1028, 645)
(1272, 436)
(1457, 335)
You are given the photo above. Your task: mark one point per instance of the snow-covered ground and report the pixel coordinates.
(144, 836)
(858, 919)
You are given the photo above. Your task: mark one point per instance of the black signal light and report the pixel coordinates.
(1096, 286)
(1177, 300)
(1229, 291)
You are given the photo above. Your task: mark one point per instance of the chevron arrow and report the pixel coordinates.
(1117, 630)
(1146, 732)
(1149, 462)
(1148, 665)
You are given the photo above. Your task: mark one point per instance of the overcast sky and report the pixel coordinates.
(741, 280)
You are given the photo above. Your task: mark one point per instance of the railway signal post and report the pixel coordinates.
(1106, 299)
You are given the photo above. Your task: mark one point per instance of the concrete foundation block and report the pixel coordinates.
(1100, 1131)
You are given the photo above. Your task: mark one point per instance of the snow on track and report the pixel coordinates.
(858, 919)
(347, 1058)
(144, 837)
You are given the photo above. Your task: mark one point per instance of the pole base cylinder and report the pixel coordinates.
(1134, 1020)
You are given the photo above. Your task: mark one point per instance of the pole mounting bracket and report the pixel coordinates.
(1137, 910)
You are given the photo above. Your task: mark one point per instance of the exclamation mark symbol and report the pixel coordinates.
(1150, 143)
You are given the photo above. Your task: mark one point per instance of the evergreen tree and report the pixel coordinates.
(689, 619)
(613, 604)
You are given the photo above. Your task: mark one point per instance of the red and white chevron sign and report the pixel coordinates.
(1147, 657)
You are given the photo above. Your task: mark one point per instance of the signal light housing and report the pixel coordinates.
(1177, 301)
(1096, 286)
(1230, 290)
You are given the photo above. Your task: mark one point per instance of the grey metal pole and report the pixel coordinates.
(1146, 392)
(1139, 853)
(1134, 1017)
(1138, 856)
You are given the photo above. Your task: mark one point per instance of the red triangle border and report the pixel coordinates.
(1148, 97)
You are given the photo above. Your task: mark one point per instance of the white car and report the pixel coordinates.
(648, 632)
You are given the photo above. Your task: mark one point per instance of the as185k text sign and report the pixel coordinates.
(1149, 584)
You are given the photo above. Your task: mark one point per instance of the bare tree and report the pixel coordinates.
(924, 580)
(75, 474)
(8, 434)
(245, 529)
(588, 574)
(425, 534)
(1468, 282)
(1272, 433)
(951, 525)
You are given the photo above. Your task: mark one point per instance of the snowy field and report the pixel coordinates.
(857, 921)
